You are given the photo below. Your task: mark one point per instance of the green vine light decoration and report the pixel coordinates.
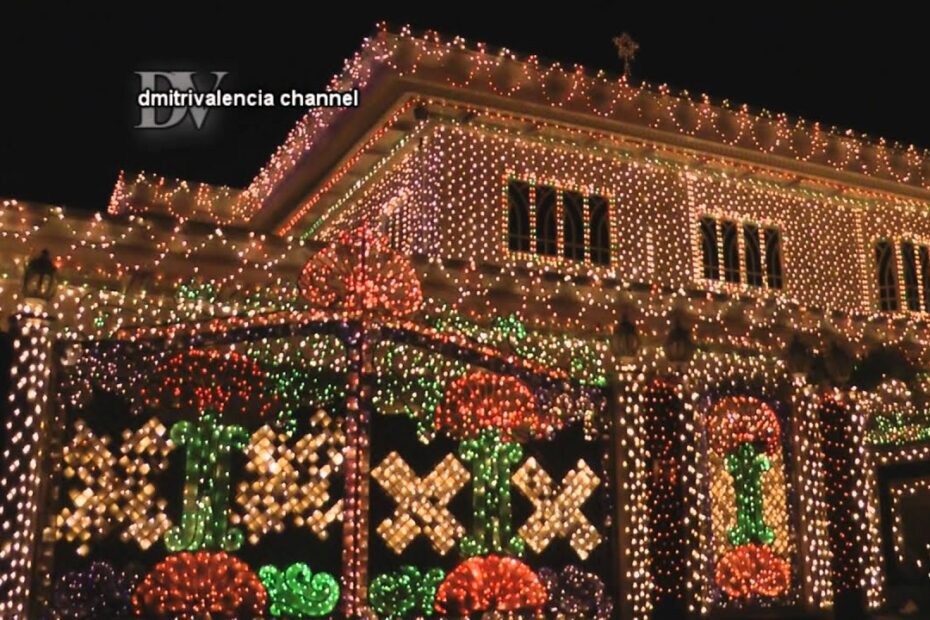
(297, 592)
(493, 461)
(205, 519)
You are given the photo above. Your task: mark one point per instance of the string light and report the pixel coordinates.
(742, 484)
(291, 481)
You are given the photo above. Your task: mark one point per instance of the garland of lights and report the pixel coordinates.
(297, 591)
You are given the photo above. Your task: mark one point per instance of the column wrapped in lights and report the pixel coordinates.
(23, 461)
(845, 503)
(665, 498)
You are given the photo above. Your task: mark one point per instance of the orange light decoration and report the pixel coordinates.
(193, 586)
(490, 583)
(752, 569)
(188, 380)
(483, 400)
(359, 275)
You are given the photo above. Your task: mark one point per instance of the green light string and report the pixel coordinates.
(746, 465)
(898, 429)
(297, 592)
(581, 358)
(405, 591)
(205, 520)
(492, 461)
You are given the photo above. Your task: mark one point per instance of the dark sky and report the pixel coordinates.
(67, 95)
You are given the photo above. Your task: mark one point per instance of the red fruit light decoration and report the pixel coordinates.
(211, 380)
(753, 569)
(491, 583)
(481, 401)
(188, 586)
(359, 278)
(738, 419)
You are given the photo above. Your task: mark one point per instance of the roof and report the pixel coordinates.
(329, 148)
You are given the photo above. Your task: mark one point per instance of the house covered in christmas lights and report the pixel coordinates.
(508, 338)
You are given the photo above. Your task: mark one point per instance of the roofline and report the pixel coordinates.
(392, 65)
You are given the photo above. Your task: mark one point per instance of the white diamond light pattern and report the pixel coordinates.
(291, 479)
(117, 492)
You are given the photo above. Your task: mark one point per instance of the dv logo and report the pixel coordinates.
(180, 90)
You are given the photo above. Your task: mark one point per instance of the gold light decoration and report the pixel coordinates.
(558, 509)
(292, 480)
(421, 502)
(118, 491)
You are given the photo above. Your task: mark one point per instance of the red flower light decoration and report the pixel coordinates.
(210, 380)
(188, 586)
(737, 419)
(491, 583)
(359, 275)
(482, 400)
(753, 569)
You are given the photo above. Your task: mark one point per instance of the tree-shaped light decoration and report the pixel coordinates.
(745, 432)
(491, 414)
(220, 387)
(359, 276)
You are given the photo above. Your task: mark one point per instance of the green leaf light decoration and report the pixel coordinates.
(297, 592)
(405, 591)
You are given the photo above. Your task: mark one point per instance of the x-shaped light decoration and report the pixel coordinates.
(293, 480)
(116, 492)
(421, 503)
(558, 510)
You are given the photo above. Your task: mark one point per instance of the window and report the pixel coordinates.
(518, 216)
(887, 282)
(773, 260)
(909, 262)
(753, 255)
(551, 221)
(912, 292)
(600, 230)
(545, 221)
(730, 252)
(925, 275)
(573, 225)
(720, 253)
(709, 248)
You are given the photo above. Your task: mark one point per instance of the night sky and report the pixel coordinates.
(67, 96)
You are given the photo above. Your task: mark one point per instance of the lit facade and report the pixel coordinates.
(507, 337)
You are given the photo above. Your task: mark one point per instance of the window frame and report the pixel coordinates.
(743, 283)
(905, 293)
(590, 256)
